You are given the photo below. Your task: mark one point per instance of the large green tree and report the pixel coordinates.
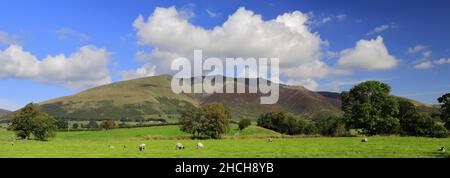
(44, 126)
(445, 109)
(29, 120)
(369, 107)
(21, 122)
(209, 120)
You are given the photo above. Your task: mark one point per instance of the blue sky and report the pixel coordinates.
(415, 33)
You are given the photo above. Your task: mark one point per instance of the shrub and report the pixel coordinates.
(108, 125)
(244, 123)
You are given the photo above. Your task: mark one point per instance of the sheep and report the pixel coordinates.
(111, 147)
(270, 140)
(442, 149)
(200, 146)
(142, 147)
(179, 146)
(125, 147)
(365, 140)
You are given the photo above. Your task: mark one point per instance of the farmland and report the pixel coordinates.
(250, 143)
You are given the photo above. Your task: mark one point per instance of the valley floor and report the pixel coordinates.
(250, 143)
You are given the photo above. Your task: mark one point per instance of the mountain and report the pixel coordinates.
(4, 112)
(152, 97)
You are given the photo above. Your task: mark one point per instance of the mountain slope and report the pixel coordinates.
(152, 97)
(134, 99)
(4, 112)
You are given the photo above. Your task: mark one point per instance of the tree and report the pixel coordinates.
(92, 124)
(75, 126)
(62, 124)
(21, 122)
(414, 123)
(445, 109)
(406, 110)
(210, 120)
(108, 125)
(190, 121)
(244, 123)
(29, 120)
(370, 107)
(44, 126)
(216, 118)
(332, 126)
(285, 123)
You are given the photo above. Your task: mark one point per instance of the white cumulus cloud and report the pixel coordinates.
(147, 70)
(82, 69)
(245, 34)
(307, 83)
(371, 55)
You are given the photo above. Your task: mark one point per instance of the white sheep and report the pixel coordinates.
(200, 145)
(179, 146)
(142, 147)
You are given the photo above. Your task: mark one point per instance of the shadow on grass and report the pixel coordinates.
(437, 154)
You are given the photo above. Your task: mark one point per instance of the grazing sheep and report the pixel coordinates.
(179, 146)
(111, 147)
(142, 147)
(364, 140)
(200, 146)
(269, 140)
(125, 147)
(442, 149)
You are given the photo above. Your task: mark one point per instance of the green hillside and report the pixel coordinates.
(135, 99)
(152, 97)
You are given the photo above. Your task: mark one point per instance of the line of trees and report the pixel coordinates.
(285, 123)
(370, 109)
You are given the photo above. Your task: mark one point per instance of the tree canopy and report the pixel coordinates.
(369, 107)
(445, 109)
(210, 120)
(29, 120)
(244, 123)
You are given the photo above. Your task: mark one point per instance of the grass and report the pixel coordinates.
(252, 144)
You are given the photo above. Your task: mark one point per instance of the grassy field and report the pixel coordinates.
(250, 143)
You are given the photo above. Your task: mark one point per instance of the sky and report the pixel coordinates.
(51, 48)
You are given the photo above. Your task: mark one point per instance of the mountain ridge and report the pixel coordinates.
(152, 97)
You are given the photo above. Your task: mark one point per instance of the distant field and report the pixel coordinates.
(248, 144)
